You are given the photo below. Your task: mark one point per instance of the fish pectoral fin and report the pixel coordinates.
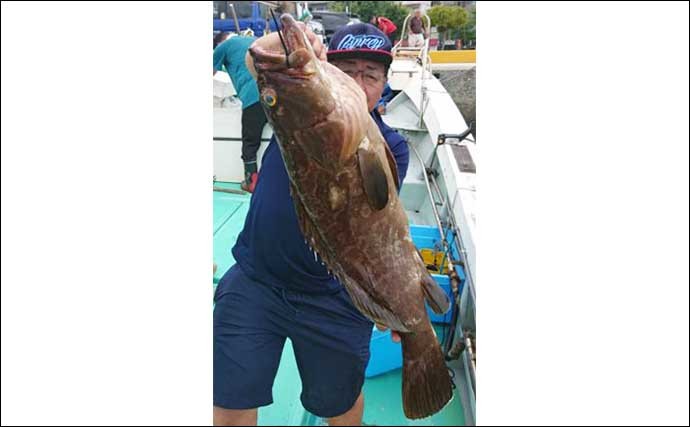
(435, 296)
(374, 178)
(393, 165)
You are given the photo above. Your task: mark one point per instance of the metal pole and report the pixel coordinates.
(234, 16)
(461, 249)
(428, 189)
(444, 241)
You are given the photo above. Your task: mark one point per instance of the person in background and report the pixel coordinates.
(417, 30)
(384, 24)
(306, 15)
(230, 54)
(220, 38)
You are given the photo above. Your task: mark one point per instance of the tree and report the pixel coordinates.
(468, 33)
(447, 19)
(336, 6)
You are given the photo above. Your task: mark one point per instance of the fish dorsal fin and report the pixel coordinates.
(374, 178)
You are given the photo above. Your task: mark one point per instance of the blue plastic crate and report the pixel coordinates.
(424, 236)
(444, 282)
(386, 355)
(428, 237)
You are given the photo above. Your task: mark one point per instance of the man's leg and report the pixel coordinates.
(248, 417)
(331, 341)
(414, 40)
(247, 345)
(235, 417)
(353, 417)
(253, 122)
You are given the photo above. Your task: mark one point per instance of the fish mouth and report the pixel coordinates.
(295, 75)
(297, 59)
(294, 36)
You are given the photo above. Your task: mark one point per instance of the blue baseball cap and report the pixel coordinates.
(360, 41)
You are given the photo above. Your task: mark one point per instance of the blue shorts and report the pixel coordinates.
(251, 320)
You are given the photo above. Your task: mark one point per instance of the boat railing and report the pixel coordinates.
(460, 348)
(425, 73)
(421, 56)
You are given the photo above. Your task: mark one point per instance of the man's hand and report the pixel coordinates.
(271, 43)
(394, 335)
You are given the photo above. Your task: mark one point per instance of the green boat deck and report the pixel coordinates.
(382, 394)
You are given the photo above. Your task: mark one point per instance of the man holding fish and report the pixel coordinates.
(325, 248)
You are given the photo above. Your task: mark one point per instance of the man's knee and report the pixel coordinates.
(234, 417)
(353, 417)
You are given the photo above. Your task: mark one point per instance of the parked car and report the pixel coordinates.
(332, 21)
(317, 28)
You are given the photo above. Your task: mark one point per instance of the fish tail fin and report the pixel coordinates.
(426, 382)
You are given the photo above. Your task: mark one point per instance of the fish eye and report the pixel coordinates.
(269, 99)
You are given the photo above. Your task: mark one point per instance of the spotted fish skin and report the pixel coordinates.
(343, 181)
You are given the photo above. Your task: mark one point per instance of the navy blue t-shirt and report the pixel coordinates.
(271, 248)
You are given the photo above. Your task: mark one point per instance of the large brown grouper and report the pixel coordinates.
(343, 181)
